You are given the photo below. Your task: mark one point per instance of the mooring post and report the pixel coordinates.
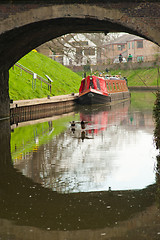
(4, 95)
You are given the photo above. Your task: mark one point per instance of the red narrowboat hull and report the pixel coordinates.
(91, 97)
(95, 90)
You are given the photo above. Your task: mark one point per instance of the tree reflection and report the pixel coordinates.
(156, 114)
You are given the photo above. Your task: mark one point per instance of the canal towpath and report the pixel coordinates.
(39, 101)
(31, 109)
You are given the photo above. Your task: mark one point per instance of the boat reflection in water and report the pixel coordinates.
(97, 157)
(99, 119)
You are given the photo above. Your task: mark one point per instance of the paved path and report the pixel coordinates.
(36, 101)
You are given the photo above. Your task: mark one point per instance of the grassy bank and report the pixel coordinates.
(138, 77)
(142, 100)
(20, 83)
(23, 139)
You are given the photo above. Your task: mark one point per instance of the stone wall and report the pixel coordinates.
(24, 25)
(102, 67)
(4, 95)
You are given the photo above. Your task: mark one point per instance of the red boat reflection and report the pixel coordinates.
(99, 120)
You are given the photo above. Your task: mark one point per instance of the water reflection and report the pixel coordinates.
(50, 159)
(156, 114)
(108, 148)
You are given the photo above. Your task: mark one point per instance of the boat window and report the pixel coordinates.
(120, 86)
(114, 86)
(117, 86)
(83, 85)
(91, 84)
(123, 87)
(98, 84)
(107, 86)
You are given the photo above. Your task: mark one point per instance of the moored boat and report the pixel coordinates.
(100, 90)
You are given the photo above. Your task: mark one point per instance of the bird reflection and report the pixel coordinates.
(84, 133)
(73, 125)
(82, 124)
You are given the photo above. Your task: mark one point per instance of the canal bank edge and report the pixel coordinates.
(24, 110)
(30, 109)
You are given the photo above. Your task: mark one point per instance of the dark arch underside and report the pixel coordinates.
(18, 42)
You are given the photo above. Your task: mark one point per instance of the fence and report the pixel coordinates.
(35, 76)
(136, 59)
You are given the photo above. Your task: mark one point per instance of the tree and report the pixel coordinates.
(72, 47)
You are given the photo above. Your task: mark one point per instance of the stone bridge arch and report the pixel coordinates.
(26, 26)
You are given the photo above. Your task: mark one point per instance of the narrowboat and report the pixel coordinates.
(101, 90)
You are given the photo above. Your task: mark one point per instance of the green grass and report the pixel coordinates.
(140, 77)
(64, 80)
(20, 83)
(142, 100)
(23, 139)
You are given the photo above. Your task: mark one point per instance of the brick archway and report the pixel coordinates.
(26, 26)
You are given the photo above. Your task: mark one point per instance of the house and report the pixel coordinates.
(48, 49)
(140, 49)
(79, 51)
(71, 50)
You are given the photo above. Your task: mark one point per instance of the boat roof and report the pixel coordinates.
(109, 77)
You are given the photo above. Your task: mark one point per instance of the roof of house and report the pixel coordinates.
(124, 39)
(78, 38)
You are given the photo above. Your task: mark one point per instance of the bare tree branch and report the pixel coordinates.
(71, 48)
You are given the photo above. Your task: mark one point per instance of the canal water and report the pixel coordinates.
(93, 181)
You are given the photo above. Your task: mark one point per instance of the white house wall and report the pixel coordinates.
(71, 56)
